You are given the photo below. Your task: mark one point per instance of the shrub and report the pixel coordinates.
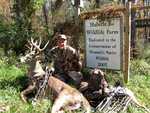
(140, 67)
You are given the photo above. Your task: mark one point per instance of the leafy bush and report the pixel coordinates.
(14, 34)
(146, 53)
(12, 38)
(6, 36)
(12, 80)
(140, 67)
(143, 50)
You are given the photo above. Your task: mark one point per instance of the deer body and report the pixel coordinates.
(66, 96)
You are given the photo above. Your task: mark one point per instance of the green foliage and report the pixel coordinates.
(143, 50)
(140, 67)
(140, 80)
(14, 34)
(6, 36)
(38, 4)
(22, 14)
(146, 53)
(140, 84)
(12, 37)
(12, 80)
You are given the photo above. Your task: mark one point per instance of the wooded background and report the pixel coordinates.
(22, 19)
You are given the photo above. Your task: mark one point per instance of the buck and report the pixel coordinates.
(35, 71)
(65, 97)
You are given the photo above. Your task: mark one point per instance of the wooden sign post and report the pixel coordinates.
(127, 37)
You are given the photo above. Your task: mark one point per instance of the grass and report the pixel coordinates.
(13, 79)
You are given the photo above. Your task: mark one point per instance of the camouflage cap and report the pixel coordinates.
(62, 36)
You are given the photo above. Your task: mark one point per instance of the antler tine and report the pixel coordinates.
(32, 41)
(37, 45)
(33, 44)
(29, 45)
(45, 46)
(40, 42)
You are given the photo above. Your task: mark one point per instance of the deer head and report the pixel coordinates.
(34, 50)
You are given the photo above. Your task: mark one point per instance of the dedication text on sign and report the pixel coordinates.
(103, 40)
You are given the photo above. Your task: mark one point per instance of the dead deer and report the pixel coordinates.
(67, 98)
(35, 71)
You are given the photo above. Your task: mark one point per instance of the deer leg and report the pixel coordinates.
(27, 91)
(66, 101)
(62, 101)
(59, 103)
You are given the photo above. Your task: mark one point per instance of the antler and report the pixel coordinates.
(29, 45)
(37, 45)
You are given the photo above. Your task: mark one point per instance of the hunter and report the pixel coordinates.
(66, 61)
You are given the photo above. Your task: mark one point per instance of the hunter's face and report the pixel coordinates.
(61, 43)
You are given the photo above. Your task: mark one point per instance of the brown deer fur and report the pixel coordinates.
(66, 96)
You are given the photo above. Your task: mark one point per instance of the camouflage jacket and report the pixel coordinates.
(66, 59)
